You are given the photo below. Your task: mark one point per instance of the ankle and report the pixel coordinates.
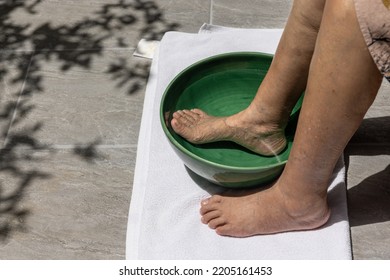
(310, 210)
(269, 118)
(255, 119)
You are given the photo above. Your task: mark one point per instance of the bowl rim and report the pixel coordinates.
(187, 152)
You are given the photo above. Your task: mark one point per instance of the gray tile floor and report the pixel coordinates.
(70, 110)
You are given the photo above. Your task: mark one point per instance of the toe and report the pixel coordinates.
(213, 199)
(198, 112)
(190, 116)
(216, 223)
(224, 229)
(210, 204)
(176, 125)
(206, 218)
(175, 115)
(184, 118)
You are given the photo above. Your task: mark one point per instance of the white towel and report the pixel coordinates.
(164, 220)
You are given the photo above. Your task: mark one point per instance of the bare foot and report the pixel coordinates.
(261, 212)
(243, 128)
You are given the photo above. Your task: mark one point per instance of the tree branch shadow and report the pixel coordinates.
(24, 49)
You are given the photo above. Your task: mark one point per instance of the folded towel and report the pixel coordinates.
(164, 220)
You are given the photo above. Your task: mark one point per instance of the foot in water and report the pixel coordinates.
(243, 128)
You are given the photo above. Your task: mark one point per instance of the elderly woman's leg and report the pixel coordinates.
(342, 84)
(261, 126)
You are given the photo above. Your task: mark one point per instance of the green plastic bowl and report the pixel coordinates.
(223, 85)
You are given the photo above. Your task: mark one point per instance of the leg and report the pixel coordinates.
(261, 126)
(342, 84)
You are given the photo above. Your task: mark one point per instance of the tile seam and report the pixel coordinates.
(69, 147)
(65, 50)
(211, 12)
(18, 100)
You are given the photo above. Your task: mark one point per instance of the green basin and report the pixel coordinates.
(223, 85)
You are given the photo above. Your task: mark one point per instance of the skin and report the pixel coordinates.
(341, 82)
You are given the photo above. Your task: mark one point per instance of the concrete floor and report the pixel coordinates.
(70, 110)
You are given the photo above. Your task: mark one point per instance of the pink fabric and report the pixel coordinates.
(374, 20)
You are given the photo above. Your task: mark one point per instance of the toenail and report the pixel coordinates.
(205, 201)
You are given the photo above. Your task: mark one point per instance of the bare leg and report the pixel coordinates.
(342, 84)
(261, 126)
